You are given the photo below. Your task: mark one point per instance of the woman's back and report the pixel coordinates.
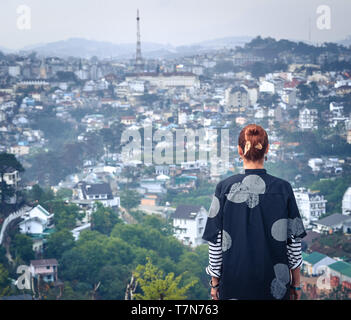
(256, 215)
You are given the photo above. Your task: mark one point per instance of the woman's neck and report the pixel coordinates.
(253, 165)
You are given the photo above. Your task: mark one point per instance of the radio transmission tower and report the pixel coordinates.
(139, 64)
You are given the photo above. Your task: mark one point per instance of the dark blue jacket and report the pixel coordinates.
(258, 215)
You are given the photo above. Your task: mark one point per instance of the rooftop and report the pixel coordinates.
(184, 211)
(342, 267)
(95, 189)
(333, 220)
(314, 257)
(44, 262)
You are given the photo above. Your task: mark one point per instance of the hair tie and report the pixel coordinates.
(247, 147)
(258, 146)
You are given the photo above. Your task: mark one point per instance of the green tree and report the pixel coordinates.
(66, 76)
(64, 193)
(65, 215)
(333, 191)
(158, 223)
(39, 195)
(4, 281)
(68, 293)
(305, 91)
(149, 238)
(130, 199)
(83, 262)
(114, 279)
(156, 286)
(59, 242)
(259, 69)
(104, 219)
(22, 247)
(196, 261)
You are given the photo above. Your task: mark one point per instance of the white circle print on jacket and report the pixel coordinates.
(248, 190)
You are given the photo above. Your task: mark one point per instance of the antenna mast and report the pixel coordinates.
(139, 64)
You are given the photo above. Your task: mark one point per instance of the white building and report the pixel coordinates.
(341, 270)
(122, 89)
(100, 192)
(331, 223)
(36, 221)
(346, 202)
(252, 92)
(289, 96)
(167, 80)
(315, 164)
(308, 119)
(236, 97)
(315, 263)
(45, 269)
(311, 205)
(182, 118)
(14, 71)
(190, 222)
(12, 177)
(137, 86)
(267, 86)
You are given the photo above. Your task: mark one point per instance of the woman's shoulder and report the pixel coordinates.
(230, 180)
(273, 183)
(279, 183)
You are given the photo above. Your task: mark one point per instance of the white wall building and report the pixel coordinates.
(98, 192)
(167, 80)
(308, 119)
(311, 204)
(331, 223)
(267, 86)
(137, 86)
(346, 202)
(14, 71)
(35, 221)
(190, 221)
(12, 178)
(315, 263)
(315, 164)
(289, 96)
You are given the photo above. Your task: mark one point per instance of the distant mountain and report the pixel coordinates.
(79, 47)
(227, 42)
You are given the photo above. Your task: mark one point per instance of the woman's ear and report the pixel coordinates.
(267, 148)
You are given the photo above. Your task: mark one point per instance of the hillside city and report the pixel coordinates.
(88, 221)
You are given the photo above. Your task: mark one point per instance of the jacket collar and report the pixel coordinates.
(255, 171)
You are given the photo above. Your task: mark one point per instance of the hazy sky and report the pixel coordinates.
(170, 21)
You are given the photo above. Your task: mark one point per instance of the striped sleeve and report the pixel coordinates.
(294, 253)
(215, 257)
